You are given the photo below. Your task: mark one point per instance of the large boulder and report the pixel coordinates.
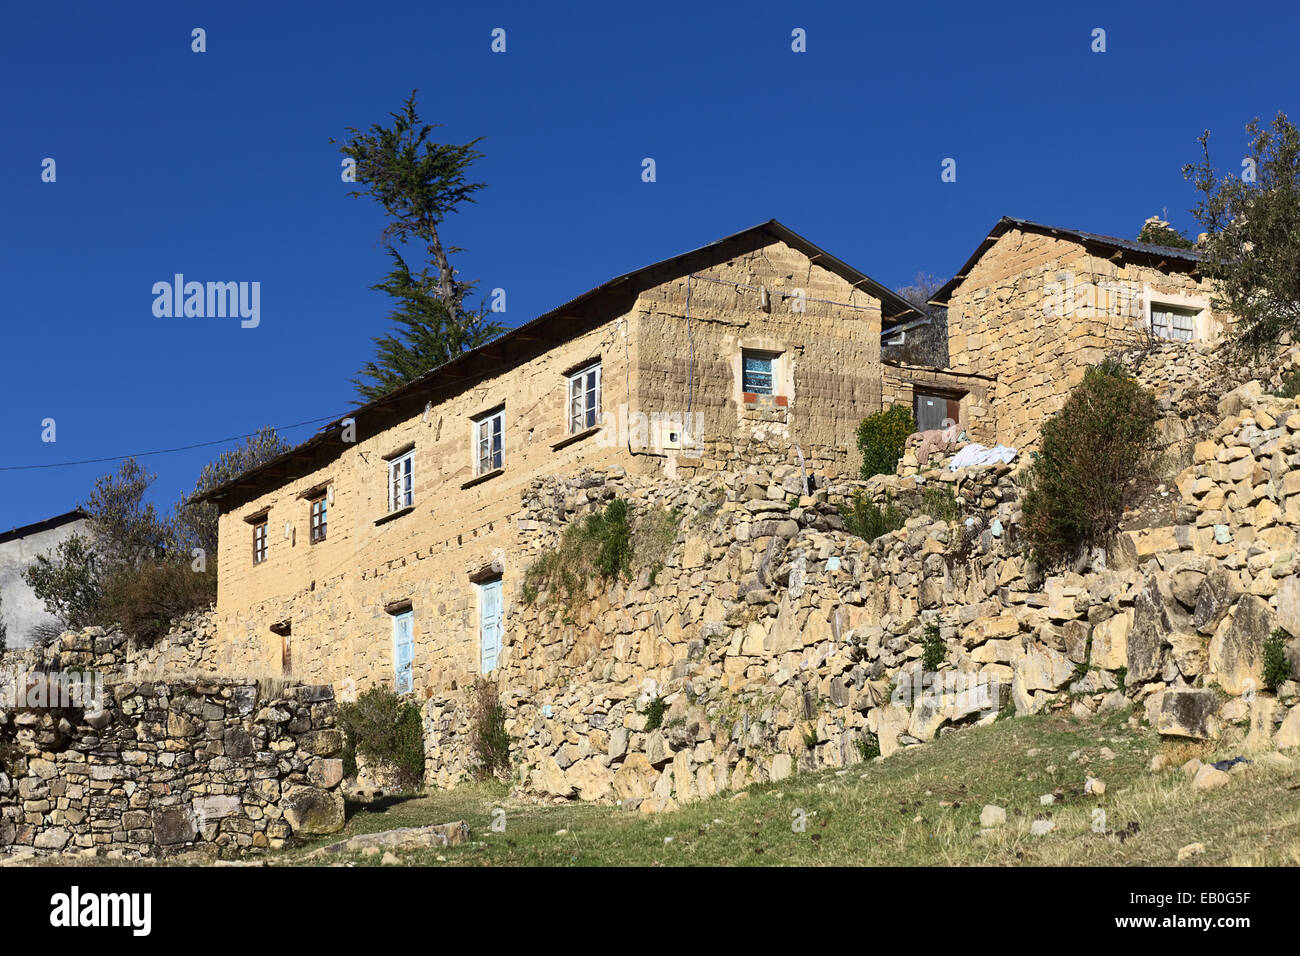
(1288, 605)
(311, 810)
(551, 780)
(1149, 634)
(635, 780)
(893, 722)
(1236, 650)
(1110, 641)
(1215, 597)
(1187, 713)
(591, 778)
(172, 825)
(1041, 668)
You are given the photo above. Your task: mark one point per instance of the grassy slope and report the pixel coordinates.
(919, 807)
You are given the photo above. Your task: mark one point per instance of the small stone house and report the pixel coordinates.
(1035, 305)
(387, 547)
(23, 613)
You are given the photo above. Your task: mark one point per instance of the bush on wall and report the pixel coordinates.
(386, 730)
(882, 438)
(1093, 449)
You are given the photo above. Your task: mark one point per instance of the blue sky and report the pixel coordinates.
(218, 165)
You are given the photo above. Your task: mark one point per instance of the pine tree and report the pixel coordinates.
(418, 182)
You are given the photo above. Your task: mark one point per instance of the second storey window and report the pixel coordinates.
(758, 372)
(584, 399)
(489, 442)
(1168, 322)
(401, 481)
(319, 516)
(259, 541)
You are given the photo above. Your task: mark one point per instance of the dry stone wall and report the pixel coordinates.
(152, 768)
(775, 641)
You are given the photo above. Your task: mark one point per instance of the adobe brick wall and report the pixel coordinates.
(1036, 310)
(336, 594)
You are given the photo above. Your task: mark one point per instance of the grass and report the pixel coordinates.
(919, 807)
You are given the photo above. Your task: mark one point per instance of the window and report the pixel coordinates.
(491, 624)
(758, 372)
(259, 541)
(403, 651)
(319, 513)
(584, 399)
(489, 438)
(1170, 322)
(401, 481)
(935, 411)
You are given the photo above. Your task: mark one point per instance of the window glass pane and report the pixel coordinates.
(757, 377)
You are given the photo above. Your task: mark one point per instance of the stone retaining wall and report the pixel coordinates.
(153, 768)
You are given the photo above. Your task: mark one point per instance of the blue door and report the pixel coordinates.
(491, 624)
(403, 651)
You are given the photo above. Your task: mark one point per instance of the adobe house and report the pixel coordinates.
(384, 548)
(1035, 305)
(23, 612)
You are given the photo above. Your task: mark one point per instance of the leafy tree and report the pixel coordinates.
(195, 526)
(68, 580)
(1252, 242)
(418, 182)
(882, 439)
(1159, 233)
(126, 528)
(1092, 449)
(134, 568)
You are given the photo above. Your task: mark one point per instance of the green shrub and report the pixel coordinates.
(654, 714)
(1277, 668)
(869, 746)
(933, 649)
(488, 737)
(386, 730)
(1101, 440)
(145, 600)
(1290, 386)
(940, 502)
(603, 545)
(882, 438)
(868, 520)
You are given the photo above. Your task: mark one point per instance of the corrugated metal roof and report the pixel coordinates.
(1007, 223)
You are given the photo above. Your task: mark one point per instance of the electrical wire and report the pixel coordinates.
(160, 451)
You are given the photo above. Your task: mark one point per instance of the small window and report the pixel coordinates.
(491, 624)
(403, 651)
(489, 442)
(759, 372)
(1168, 322)
(319, 516)
(935, 411)
(584, 399)
(401, 481)
(259, 541)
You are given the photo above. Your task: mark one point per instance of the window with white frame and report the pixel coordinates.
(401, 481)
(259, 541)
(489, 442)
(584, 399)
(758, 372)
(1172, 322)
